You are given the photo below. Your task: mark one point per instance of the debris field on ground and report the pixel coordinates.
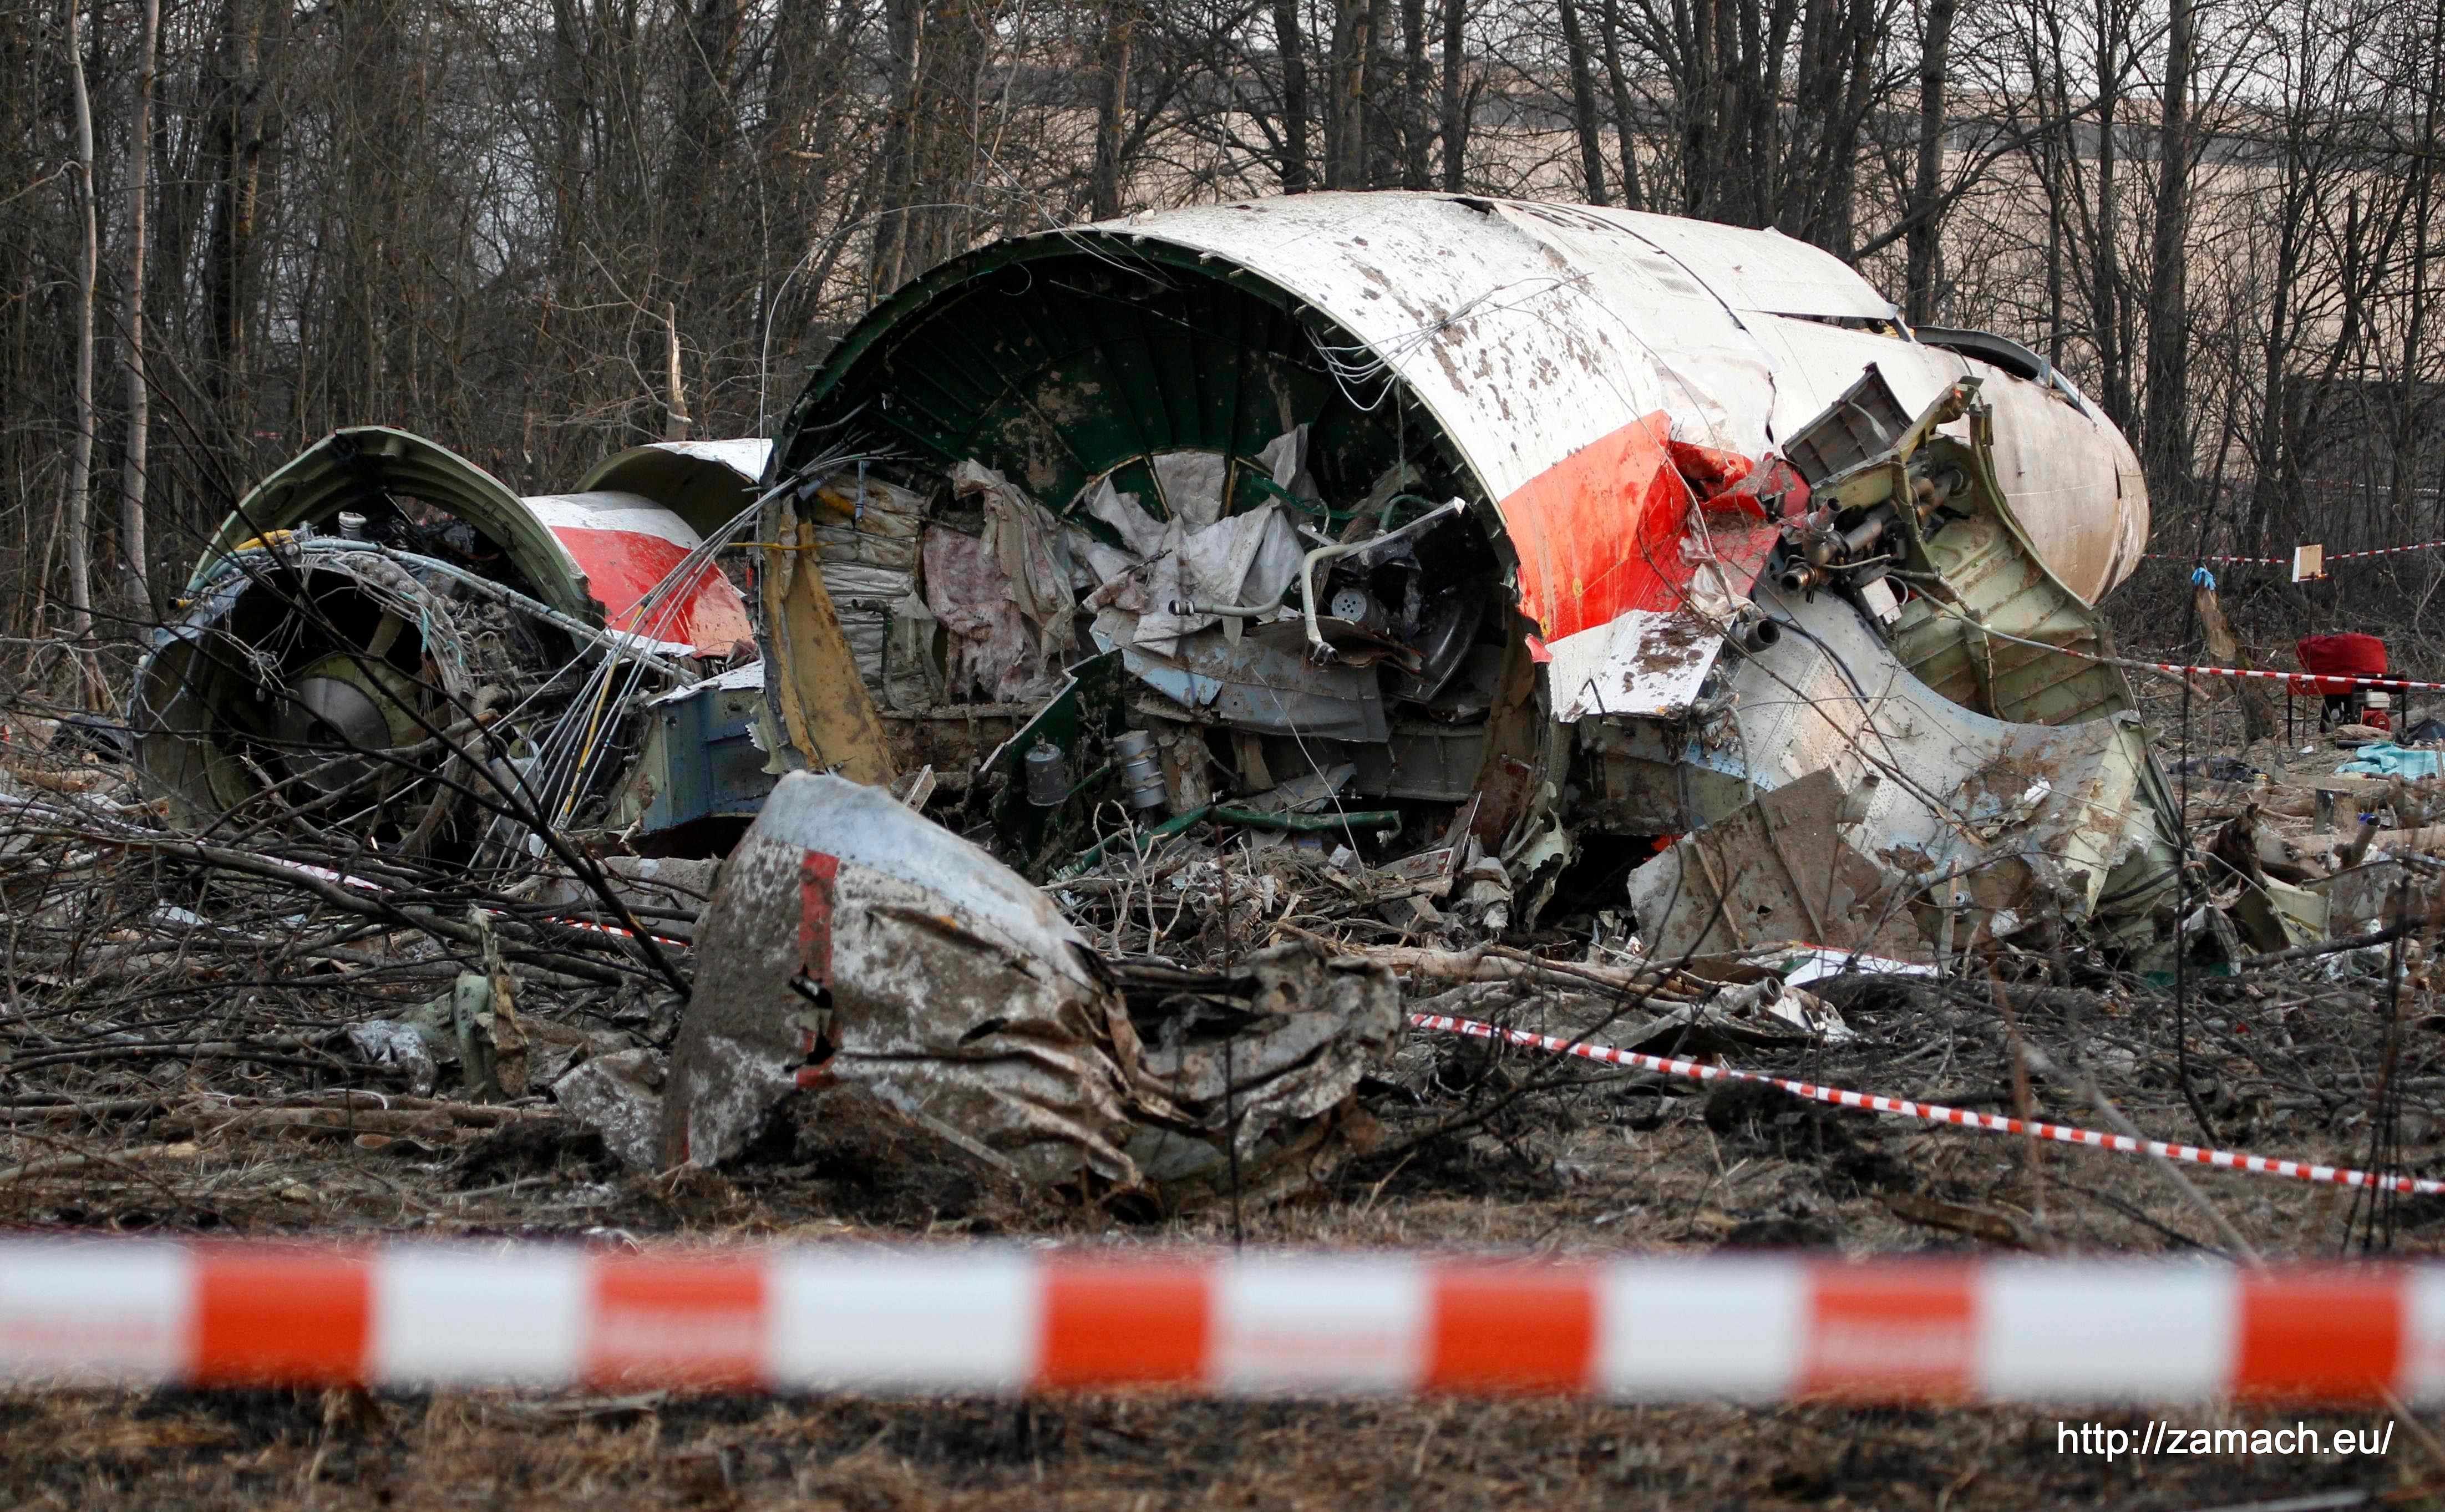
(1037, 801)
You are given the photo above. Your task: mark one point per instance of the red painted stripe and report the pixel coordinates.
(2330, 1337)
(1901, 1331)
(817, 876)
(1108, 1324)
(1599, 532)
(1508, 1329)
(280, 1316)
(622, 566)
(698, 1321)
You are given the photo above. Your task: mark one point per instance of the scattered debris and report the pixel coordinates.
(385, 640)
(1148, 763)
(852, 940)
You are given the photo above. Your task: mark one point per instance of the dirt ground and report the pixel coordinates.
(1496, 1149)
(1474, 1149)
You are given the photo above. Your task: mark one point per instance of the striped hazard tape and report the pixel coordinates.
(2286, 561)
(1002, 1320)
(2306, 682)
(1938, 1113)
(2302, 681)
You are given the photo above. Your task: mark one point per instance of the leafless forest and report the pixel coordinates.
(232, 225)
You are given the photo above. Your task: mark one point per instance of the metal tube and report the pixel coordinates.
(1306, 823)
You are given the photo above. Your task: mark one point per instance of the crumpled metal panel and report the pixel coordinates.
(2071, 478)
(854, 941)
(1645, 664)
(1778, 869)
(949, 982)
(579, 550)
(2030, 822)
(705, 483)
(1534, 331)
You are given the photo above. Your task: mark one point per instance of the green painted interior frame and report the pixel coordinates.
(339, 471)
(1060, 363)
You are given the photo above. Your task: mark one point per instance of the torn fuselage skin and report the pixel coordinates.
(1456, 510)
(382, 629)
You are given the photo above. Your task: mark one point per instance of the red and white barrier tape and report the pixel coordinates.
(2305, 682)
(2286, 561)
(1004, 1320)
(1938, 1113)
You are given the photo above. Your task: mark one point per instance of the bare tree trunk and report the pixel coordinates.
(1934, 58)
(1112, 107)
(1345, 147)
(2406, 426)
(1702, 85)
(1583, 104)
(240, 134)
(1290, 47)
(2168, 430)
(1380, 110)
(79, 517)
(1624, 115)
(131, 479)
(1456, 96)
(905, 35)
(2054, 269)
(704, 129)
(675, 419)
(2105, 252)
(1416, 141)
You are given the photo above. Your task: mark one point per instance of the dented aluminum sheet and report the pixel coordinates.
(853, 942)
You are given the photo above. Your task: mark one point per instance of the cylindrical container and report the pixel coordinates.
(1048, 774)
(1141, 768)
(352, 526)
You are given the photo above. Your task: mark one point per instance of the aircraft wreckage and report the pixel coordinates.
(1451, 535)
(1458, 527)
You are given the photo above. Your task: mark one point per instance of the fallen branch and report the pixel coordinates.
(53, 1165)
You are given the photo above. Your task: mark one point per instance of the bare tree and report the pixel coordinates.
(2168, 432)
(78, 513)
(1583, 104)
(132, 533)
(1926, 186)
